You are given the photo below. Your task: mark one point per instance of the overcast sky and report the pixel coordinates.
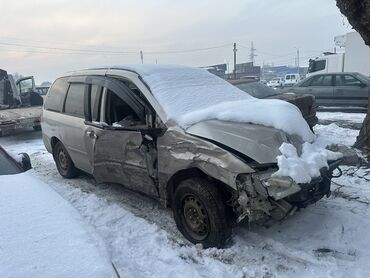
(42, 37)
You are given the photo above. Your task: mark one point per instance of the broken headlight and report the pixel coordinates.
(281, 187)
(266, 185)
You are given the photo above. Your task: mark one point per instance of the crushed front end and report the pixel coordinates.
(263, 198)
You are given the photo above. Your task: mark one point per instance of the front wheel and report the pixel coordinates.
(64, 163)
(200, 213)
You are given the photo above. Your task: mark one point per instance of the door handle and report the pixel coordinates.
(91, 134)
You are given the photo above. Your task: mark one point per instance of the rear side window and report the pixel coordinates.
(321, 80)
(55, 98)
(75, 100)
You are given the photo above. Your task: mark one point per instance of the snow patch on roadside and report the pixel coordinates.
(303, 168)
(140, 248)
(42, 235)
(335, 134)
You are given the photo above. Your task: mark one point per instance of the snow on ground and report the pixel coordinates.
(42, 235)
(338, 116)
(328, 239)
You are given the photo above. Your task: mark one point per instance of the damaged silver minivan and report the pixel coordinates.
(213, 173)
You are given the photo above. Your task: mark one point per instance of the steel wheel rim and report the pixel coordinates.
(195, 217)
(63, 161)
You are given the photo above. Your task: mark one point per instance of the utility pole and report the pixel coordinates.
(235, 60)
(142, 56)
(298, 60)
(252, 54)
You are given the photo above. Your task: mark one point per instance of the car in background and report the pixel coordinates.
(42, 90)
(291, 79)
(276, 82)
(341, 90)
(10, 165)
(306, 103)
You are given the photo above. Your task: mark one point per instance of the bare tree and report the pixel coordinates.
(358, 15)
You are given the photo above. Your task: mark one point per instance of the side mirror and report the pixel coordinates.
(147, 139)
(25, 161)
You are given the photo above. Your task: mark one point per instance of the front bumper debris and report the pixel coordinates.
(261, 196)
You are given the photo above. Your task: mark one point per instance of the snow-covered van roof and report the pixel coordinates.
(190, 95)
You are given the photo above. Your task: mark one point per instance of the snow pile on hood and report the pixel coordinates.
(42, 235)
(190, 95)
(303, 168)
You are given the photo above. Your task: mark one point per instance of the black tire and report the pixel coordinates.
(200, 213)
(64, 163)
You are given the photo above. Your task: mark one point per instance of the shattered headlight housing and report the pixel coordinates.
(281, 187)
(266, 185)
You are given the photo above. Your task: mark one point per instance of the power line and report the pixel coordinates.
(78, 51)
(57, 52)
(186, 50)
(66, 49)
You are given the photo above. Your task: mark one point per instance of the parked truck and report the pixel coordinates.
(20, 104)
(355, 58)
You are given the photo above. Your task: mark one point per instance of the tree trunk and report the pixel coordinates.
(358, 15)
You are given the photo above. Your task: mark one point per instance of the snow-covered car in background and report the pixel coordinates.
(11, 164)
(276, 82)
(306, 103)
(42, 235)
(213, 153)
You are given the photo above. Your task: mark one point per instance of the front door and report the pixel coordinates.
(120, 149)
(350, 91)
(321, 86)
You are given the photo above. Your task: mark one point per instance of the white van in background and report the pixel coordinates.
(276, 82)
(291, 79)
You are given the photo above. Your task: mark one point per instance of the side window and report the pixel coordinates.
(75, 100)
(287, 77)
(95, 102)
(317, 65)
(55, 98)
(26, 85)
(119, 113)
(321, 80)
(347, 80)
(316, 80)
(326, 80)
(306, 83)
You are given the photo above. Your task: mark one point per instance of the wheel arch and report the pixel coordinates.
(194, 172)
(53, 141)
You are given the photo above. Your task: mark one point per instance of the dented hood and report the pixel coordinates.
(255, 141)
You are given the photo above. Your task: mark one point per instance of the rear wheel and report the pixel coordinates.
(200, 213)
(64, 163)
